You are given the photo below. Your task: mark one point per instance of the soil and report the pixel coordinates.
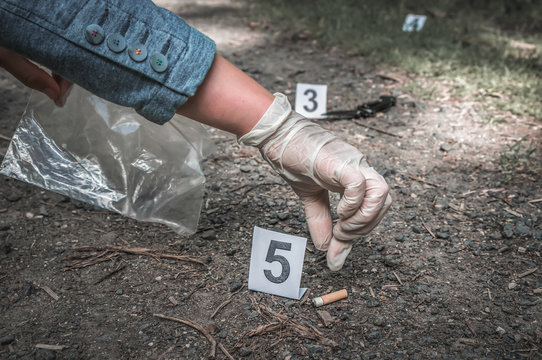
(452, 272)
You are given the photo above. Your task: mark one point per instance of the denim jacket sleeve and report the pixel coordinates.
(130, 52)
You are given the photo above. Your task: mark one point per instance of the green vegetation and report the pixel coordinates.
(519, 157)
(487, 50)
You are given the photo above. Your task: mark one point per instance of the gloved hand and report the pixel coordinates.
(314, 161)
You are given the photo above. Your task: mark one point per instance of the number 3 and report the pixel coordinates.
(272, 257)
(311, 99)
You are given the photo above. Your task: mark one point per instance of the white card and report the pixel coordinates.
(276, 263)
(414, 22)
(311, 100)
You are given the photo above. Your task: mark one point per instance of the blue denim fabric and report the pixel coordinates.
(52, 33)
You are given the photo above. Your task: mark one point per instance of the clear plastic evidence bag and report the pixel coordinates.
(109, 156)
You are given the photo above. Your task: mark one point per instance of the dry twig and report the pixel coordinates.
(225, 351)
(398, 278)
(226, 302)
(283, 322)
(107, 276)
(528, 272)
(48, 290)
(195, 326)
(417, 178)
(111, 251)
(428, 229)
(50, 347)
(470, 328)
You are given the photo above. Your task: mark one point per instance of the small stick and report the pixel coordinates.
(397, 277)
(4, 137)
(428, 229)
(524, 350)
(528, 272)
(223, 348)
(305, 297)
(470, 328)
(110, 274)
(422, 180)
(50, 347)
(376, 129)
(173, 300)
(140, 251)
(489, 294)
(534, 201)
(195, 326)
(390, 286)
(371, 291)
(252, 186)
(226, 302)
(48, 290)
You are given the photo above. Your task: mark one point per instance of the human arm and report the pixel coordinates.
(311, 159)
(54, 86)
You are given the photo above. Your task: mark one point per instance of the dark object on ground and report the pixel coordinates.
(365, 110)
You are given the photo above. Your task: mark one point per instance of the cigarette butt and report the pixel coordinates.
(329, 298)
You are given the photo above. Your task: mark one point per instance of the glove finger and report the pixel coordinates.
(337, 252)
(353, 182)
(318, 217)
(359, 224)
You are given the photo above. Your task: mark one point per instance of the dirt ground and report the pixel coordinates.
(453, 272)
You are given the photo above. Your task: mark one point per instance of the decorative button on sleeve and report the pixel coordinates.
(159, 62)
(94, 34)
(138, 52)
(116, 42)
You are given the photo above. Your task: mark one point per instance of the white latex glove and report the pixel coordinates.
(314, 161)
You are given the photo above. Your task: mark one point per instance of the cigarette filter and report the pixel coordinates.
(329, 298)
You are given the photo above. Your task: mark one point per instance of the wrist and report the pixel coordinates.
(277, 113)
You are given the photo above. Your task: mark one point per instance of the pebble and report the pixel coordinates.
(373, 302)
(389, 260)
(313, 348)
(244, 351)
(445, 147)
(245, 168)
(523, 230)
(208, 235)
(6, 340)
(44, 354)
(43, 211)
(441, 204)
(380, 321)
(512, 285)
(400, 238)
(13, 198)
(373, 336)
(500, 330)
(235, 284)
(283, 216)
(119, 292)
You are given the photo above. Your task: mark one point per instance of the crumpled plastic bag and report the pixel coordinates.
(109, 156)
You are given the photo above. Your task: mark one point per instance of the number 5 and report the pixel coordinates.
(272, 257)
